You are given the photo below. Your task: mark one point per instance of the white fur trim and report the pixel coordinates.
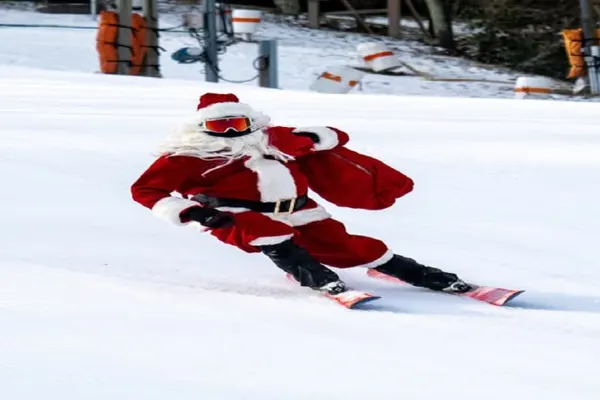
(387, 256)
(328, 138)
(233, 210)
(301, 217)
(171, 207)
(275, 182)
(230, 109)
(270, 240)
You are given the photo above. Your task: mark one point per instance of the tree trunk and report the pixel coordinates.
(442, 24)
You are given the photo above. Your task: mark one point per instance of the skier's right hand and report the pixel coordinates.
(208, 217)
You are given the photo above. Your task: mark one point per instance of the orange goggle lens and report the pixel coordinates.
(222, 125)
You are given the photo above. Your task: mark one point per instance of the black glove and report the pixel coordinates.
(208, 217)
(311, 135)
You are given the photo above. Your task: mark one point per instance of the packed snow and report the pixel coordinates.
(100, 300)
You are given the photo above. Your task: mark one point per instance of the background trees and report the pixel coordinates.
(525, 34)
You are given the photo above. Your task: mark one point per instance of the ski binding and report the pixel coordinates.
(349, 298)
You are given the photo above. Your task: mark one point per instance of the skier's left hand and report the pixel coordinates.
(208, 217)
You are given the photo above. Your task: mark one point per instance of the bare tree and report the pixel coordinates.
(439, 11)
(523, 34)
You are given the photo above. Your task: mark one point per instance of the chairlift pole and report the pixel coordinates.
(152, 67)
(211, 66)
(267, 53)
(590, 44)
(94, 8)
(124, 37)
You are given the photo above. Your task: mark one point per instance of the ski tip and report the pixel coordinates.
(509, 298)
(494, 296)
(352, 298)
(357, 305)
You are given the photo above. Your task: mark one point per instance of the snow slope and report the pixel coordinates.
(99, 300)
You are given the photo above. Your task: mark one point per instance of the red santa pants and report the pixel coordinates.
(327, 241)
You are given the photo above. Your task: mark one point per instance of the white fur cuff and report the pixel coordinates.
(387, 256)
(328, 138)
(270, 240)
(171, 207)
(220, 110)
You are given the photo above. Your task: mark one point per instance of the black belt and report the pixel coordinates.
(283, 206)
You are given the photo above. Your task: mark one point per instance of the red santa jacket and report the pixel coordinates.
(339, 175)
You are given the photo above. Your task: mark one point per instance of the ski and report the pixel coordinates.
(487, 294)
(351, 299)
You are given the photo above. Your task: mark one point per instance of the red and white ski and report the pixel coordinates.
(350, 299)
(487, 294)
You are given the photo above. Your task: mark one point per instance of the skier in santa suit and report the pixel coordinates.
(245, 181)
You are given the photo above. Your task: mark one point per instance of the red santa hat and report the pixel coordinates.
(216, 105)
(209, 99)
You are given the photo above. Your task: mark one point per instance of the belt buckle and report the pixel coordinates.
(289, 210)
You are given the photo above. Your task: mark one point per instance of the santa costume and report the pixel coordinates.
(230, 172)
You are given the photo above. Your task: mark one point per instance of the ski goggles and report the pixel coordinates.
(222, 125)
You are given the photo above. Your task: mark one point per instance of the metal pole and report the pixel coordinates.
(393, 10)
(94, 8)
(152, 64)
(588, 25)
(211, 67)
(124, 36)
(594, 69)
(314, 14)
(224, 14)
(267, 53)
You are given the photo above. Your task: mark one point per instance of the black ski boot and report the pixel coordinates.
(410, 271)
(296, 261)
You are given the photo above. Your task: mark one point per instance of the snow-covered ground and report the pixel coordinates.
(303, 55)
(99, 300)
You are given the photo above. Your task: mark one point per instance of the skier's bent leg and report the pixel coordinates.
(330, 243)
(295, 260)
(254, 232)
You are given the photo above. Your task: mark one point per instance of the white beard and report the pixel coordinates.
(188, 140)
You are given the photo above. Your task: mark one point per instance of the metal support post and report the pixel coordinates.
(152, 63)
(267, 53)
(94, 8)
(590, 41)
(594, 69)
(314, 14)
(211, 67)
(124, 36)
(225, 19)
(394, 12)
